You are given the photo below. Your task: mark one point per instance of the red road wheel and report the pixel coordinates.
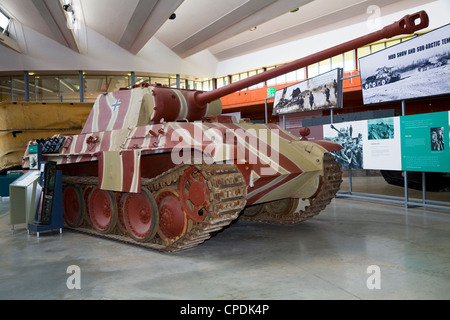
(194, 194)
(102, 210)
(172, 219)
(140, 215)
(73, 205)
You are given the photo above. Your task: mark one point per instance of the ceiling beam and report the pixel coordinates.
(140, 15)
(298, 31)
(147, 23)
(53, 14)
(9, 43)
(195, 43)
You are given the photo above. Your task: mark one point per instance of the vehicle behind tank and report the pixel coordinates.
(163, 169)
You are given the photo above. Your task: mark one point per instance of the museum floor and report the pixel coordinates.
(328, 257)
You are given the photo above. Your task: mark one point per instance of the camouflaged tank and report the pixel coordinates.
(163, 169)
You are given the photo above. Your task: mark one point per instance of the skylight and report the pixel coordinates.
(4, 22)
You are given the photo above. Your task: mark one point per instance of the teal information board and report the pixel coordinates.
(418, 142)
(425, 142)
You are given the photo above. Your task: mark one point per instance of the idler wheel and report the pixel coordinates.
(282, 207)
(253, 211)
(172, 219)
(73, 205)
(194, 194)
(140, 215)
(102, 210)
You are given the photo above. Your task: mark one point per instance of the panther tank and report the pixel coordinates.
(162, 168)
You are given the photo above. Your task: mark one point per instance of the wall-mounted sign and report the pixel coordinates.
(270, 92)
(321, 92)
(419, 67)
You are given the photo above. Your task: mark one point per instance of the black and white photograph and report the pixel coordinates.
(321, 92)
(350, 136)
(418, 67)
(437, 139)
(380, 129)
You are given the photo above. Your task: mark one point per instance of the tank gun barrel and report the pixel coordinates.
(407, 25)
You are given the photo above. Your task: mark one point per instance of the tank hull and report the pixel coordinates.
(208, 171)
(274, 163)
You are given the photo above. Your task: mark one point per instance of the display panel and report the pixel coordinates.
(321, 92)
(383, 146)
(415, 68)
(425, 145)
(409, 143)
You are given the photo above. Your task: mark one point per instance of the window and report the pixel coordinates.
(221, 82)
(207, 85)
(349, 61)
(392, 43)
(324, 66)
(291, 76)
(313, 70)
(4, 22)
(18, 87)
(69, 88)
(337, 61)
(377, 47)
(5, 89)
(165, 82)
(141, 80)
(44, 88)
(364, 51)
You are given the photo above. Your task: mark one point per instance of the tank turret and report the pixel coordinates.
(163, 169)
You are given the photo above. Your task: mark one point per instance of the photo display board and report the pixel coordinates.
(419, 67)
(409, 143)
(321, 92)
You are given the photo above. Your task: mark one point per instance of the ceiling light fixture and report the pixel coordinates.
(68, 8)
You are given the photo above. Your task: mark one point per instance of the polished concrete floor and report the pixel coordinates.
(344, 253)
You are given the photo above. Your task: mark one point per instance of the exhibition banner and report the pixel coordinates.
(409, 143)
(419, 67)
(317, 93)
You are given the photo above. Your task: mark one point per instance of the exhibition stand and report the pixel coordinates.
(36, 197)
(49, 213)
(417, 143)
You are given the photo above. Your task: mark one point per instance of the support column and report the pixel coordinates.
(26, 81)
(81, 84)
(132, 79)
(178, 81)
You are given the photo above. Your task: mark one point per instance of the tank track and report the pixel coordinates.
(228, 193)
(331, 181)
